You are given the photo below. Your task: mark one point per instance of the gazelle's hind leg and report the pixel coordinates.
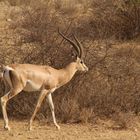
(49, 97)
(6, 87)
(41, 97)
(4, 100)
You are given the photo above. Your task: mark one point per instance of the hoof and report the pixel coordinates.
(7, 128)
(30, 128)
(58, 127)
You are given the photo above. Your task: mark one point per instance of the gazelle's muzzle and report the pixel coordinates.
(86, 69)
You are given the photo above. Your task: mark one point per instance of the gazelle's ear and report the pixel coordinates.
(73, 54)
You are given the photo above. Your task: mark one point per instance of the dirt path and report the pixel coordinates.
(44, 131)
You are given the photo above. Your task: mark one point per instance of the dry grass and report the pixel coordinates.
(43, 130)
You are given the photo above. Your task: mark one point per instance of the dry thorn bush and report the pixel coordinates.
(112, 84)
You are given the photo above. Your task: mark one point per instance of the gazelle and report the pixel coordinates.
(43, 78)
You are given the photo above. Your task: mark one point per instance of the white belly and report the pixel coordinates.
(31, 86)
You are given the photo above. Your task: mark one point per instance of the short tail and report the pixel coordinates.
(1, 76)
(14, 78)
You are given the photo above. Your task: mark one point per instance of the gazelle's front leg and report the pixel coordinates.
(41, 97)
(49, 97)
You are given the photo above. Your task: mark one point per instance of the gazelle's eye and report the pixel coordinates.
(81, 62)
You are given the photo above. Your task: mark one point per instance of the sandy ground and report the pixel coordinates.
(42, 131)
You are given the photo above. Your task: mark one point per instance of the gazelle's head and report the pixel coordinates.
(80, 65)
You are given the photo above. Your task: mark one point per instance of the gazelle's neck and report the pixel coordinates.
(71, 69)
(67, 73)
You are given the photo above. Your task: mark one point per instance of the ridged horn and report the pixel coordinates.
(71, 42)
